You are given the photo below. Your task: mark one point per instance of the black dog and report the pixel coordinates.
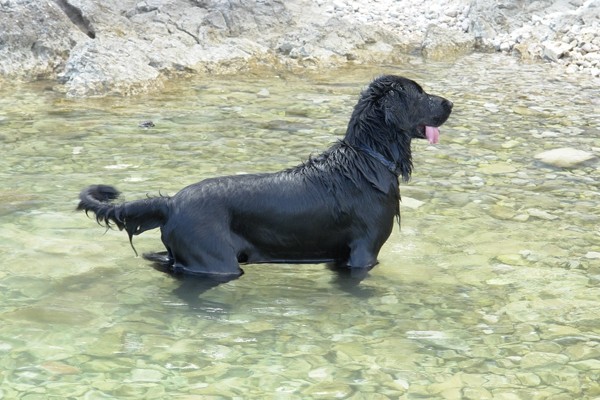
(337, 207)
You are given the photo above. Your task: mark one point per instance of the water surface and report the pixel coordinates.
(490, 289)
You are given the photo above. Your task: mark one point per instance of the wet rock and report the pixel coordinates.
(448, 386)
(146, 124)
(583, 351)
(59, 368)
(438, 339)
(592, 255)
(264, 92)
(529, 379)
(501, 212)
(558, 332)
(567, 379)
(491, 107)
(411, 203)
(521, 110)
(541, 214)
(564, 157)
(509, 144)
(511, 259)
(146, 375)
(540, 359)
(258, 326)
(587, 365)
(218, 352)
(546, 346)
(527, 333)
(320, 374)
(476, 393)
(52, 315)
(329, 390)
(497, 168)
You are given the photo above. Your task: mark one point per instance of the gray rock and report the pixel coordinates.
(108, 65)
(146, 375)
(446, 44)
(411, 203)
(554, 50)
(592, 255)
(540, 359)
(36, 38)
(587, 365)
(541, 214)
(329, 390)
(564, 157)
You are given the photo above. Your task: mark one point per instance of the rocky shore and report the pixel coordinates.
(126, 47)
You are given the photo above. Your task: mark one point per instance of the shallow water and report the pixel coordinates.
(490, 289)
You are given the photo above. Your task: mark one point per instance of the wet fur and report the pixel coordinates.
(337, 207)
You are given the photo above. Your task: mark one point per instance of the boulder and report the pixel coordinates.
(446, 44)
(554, 50)
(36, 38)
(109, 65)
(129, 46)
(564, 157)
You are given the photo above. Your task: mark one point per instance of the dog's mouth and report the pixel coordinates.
(430, 127)
(431, 133)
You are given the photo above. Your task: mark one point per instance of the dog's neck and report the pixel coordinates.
(390, 165)
(392, 150)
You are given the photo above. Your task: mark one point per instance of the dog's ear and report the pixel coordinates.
(394, 109)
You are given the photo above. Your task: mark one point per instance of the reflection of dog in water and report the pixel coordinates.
(337, 207)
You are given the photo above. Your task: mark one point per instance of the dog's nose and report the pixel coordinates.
(448, 104)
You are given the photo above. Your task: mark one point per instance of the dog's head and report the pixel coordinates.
(407, 108)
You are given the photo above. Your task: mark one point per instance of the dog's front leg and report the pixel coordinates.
(362, 256)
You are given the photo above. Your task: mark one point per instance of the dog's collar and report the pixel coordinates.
(391, 166)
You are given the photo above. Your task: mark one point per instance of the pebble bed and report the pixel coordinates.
(490, 289)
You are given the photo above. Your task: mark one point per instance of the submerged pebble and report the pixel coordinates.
(497, 168)
(146, 375)
(329, 390)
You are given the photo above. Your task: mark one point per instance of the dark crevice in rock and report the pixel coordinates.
(181, 29)
(77, 17)
(141, 8)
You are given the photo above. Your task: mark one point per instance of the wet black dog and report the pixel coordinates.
(337, 207)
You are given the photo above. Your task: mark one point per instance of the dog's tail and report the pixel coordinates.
(134, 217)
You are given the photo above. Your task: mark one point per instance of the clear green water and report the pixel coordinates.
(491, 289)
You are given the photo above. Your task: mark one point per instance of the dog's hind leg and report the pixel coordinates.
(161, 261)
(210, 255)
(161, 257)
(209, 267)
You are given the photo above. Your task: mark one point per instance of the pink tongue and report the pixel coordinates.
(433, 134)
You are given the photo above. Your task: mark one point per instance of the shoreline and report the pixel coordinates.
(129, 47)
